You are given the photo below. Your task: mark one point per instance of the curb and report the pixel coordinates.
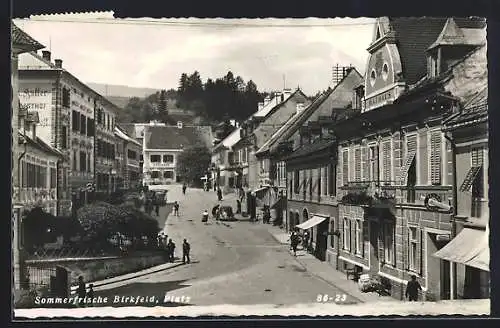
(137, 275)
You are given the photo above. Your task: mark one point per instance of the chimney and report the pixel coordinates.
(300, 108)
(277, 96)
(261, 105)
(287, 93)
(46, 55)
(58, 63)
(33, 131)
(267, 100)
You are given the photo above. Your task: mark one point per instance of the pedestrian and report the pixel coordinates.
(294, 242)
(215, 186)
(412, 289)
(185, 251)
(204, 216)
(157, 209)
(184, 187)
(176, 208)
(238, 206)
(219, 194)
(90, 294)
(81, 291)
(306, 240)
(171, 250)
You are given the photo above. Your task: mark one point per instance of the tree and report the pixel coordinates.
(192, 163)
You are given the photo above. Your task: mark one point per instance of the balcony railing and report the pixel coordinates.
(368, 193)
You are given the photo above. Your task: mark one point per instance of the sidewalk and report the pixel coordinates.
(325, 272)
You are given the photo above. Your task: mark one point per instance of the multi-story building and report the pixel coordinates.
(106, 164)
(128, 151)
(469, 251)
(162, 145)
(21, 43)
(65, 106)
(395, 178)
(301, 132)
(39, 163)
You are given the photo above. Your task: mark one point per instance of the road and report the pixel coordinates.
(231, 263)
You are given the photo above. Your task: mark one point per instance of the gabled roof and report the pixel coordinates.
(22, 40)
(121, 134)
(294, 123)
(308, 149)
(234, 137)
(40, 144)
(172, 137)
(475, 111)
(454, 35)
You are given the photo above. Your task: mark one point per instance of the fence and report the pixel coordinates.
(47, 281)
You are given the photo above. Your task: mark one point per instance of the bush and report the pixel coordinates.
(38, 227)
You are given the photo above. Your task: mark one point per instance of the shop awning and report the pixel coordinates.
(469, 247)
(259, 192)
(315, 220)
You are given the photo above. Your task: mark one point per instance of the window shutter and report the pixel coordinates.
(386, 158)
(357, 164)
(396, 150)
(345, 167)
(420, 247)
(365, 164)
(377, 164)
(366, 239)
(351, 167)
(411, 149)
(381, 250)
(435, 160)
(406, 248)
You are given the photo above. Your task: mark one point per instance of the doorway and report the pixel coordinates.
(374, 237)
(322, 240)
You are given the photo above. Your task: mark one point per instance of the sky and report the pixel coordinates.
(152, 53)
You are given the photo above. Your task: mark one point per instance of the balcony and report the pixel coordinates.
(369, 193)
(162, 164)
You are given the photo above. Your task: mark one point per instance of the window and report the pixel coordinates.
(319, 181)
(83, 124)
(385, 71)
(332, 180)
(75, 162)
(412, 248)
(168, 158)
(98, 116)
(90, 127)
(332, 230)
(357, 164)
(83, 161)
(478, 181)
(389, 243)
(155, 174)
(296, 181)
(75, 121)
(435, 157)
(373, 163)
(347, 234)
(345, 167)
(386, 158)
(131, 154)
(66, 97)
(155, 158)
(373, 77)
(168, 174)
(358, 237)
(64, 137)
(88, 163)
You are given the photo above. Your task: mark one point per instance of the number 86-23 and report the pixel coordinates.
(328, 298)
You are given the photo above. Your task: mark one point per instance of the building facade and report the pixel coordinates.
(65, 106)
(162, 145)
(129, 170)
(106, 163)
(394, 177)
(468, 251)
(21, 43)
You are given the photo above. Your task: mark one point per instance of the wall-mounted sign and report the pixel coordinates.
(39, 99)
(380, 99)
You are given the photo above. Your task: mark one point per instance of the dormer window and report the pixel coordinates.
(385, 71)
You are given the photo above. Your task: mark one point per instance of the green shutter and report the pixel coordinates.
(436, 157)
(357, 164)
(365, 164)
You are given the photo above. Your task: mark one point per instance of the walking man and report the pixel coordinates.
(306, 240)
(184, 186)
(157, 209)
(185, 251)
(81, 291)
(90, 294)
(219, 193)
(176, 209)
(412, 289)
(294, 242)
(171, 250)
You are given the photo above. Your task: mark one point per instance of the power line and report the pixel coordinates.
(101, 20)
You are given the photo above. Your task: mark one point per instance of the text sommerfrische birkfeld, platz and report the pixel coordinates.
(130, 300)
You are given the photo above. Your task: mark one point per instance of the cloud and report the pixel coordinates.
(152, 54)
